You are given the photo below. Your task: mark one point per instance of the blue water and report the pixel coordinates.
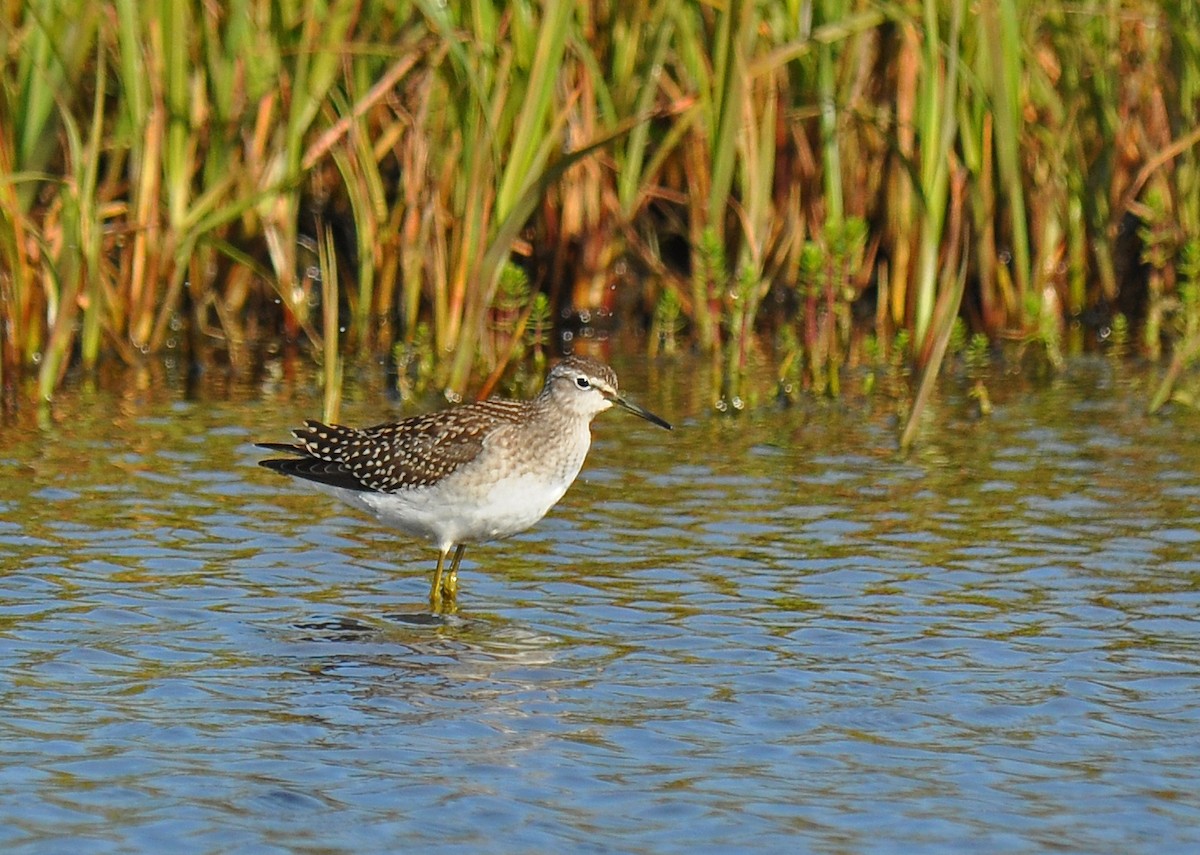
(765, 633)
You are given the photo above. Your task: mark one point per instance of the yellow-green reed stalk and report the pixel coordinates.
(91, 220)
(1088, 48)
(1065, 138)
(949, 303)
(499, 250)
(756, 180)
(315, 63)
(621, 77)
(331, 358)
(358, 144)
(170, 158)
(1185, 25)
(528, 153)
(1187, 349)
(538, 130)
(725, 106)
(1077, 246)
(1087, 97)
(229, 88)
(79, 266)
(630, 90)
(1157, 236)
(843, 237)
(736, 116)
(951, 298)
(451, 147)
(508, 129)
(708, 70)
(16, 274)
(827, 100)
(44, 51)
(143, 118)
(49, 50)
(77, 270)
(363, 186)
(1184, 21)
(376, 225)
(1002, 42)
(976, 137)
(64, 278)
(420, 245)
(166, 115)
(902, 227)
(1049, 193)
(936, 115)
(471, 209)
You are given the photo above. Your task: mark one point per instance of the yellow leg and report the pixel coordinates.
(435, 592)
(450, 585)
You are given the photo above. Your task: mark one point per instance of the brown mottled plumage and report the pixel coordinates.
(468, 474)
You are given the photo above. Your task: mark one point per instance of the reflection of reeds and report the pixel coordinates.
(166, 165)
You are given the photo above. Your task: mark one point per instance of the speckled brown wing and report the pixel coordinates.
(414, 452)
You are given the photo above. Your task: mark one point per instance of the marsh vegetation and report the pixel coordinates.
(810, 185)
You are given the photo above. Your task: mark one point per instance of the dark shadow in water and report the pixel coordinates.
(342, 628)
(335, 629)
(421, 618)
(425, 633)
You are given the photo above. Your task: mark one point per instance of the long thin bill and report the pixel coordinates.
(638, 411)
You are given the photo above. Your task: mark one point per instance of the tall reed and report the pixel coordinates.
(166, 164)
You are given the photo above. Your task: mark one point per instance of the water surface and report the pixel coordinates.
(768, 632)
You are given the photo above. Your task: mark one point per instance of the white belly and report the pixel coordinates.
(444, 518)
(505, 490)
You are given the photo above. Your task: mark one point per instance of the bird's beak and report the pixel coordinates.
(638, 411)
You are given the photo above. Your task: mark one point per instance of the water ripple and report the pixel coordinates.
(778, 636)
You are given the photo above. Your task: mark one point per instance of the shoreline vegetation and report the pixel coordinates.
(813, 184)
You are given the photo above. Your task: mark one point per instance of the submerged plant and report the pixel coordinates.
(827, 274)
(976, 360)
(1186, 323)
(667, 324)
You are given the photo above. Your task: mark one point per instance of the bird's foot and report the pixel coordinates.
(444, 593)
(450, 585)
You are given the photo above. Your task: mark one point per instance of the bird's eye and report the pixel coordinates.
(582, 383)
